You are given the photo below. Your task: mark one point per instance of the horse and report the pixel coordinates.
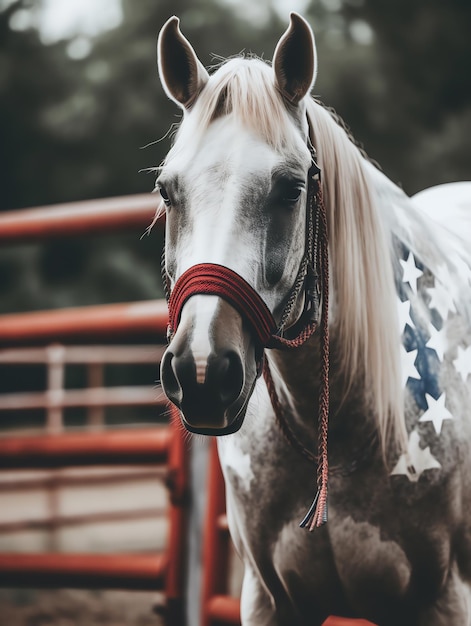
(320, 327)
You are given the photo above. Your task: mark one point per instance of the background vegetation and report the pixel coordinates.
(75, 116)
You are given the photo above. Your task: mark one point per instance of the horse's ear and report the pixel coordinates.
(182, 74)
(294, 60)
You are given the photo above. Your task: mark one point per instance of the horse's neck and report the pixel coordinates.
(296, 376)
(297, 379)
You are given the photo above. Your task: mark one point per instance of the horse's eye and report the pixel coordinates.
(292, 194)
(164, 195)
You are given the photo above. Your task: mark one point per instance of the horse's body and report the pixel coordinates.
(396, 549)
(397, 545)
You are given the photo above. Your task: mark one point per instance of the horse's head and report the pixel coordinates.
(234, 186)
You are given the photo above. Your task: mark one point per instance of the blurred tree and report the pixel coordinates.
(420, 57)
(425, 48)
(33, 79)
(75, 128)
(73, 124)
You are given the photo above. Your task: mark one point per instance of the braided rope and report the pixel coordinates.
(317, 513)
(320, 513)
(213, 279)
(294, 294)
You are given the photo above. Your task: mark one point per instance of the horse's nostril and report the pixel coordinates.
(203, 403)
(169, 379)
(228, 375)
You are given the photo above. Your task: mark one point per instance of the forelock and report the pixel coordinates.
(244, 88)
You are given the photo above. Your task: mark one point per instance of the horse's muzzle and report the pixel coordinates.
(211, 391)
(210, 406)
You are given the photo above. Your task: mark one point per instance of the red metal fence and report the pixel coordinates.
(158, 446)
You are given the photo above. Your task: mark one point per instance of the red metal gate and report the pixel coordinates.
(164, 446)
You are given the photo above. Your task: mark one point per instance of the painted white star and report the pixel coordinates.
(437, 342)
(408, 369)
(404, 315)
(441, 301)
(411, 272)
(416, 460)
(436, 413)
(463, 362)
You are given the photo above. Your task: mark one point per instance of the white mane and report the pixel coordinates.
(364, 293)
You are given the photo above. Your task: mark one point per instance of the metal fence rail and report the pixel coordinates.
(78, 218)
(123, 446)
(84, 571)
(101, 322)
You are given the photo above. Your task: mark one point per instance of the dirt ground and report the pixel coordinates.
(67, 607)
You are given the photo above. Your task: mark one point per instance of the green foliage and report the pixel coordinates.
(75, 129)
(421, 58)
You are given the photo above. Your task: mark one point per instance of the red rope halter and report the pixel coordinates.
(217, 280)
(212, 279)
